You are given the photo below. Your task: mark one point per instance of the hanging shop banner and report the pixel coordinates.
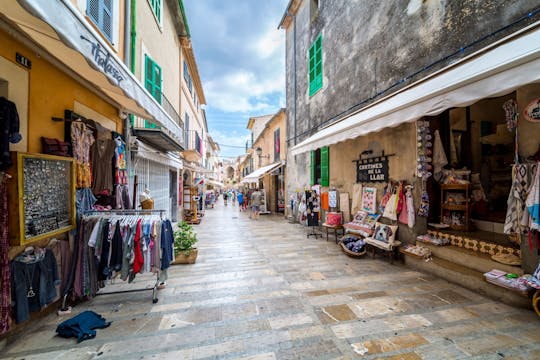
(532, 111)
(373, 169)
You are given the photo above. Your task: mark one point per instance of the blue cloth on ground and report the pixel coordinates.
(82, 326)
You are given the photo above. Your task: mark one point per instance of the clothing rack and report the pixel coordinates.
(131, 212)
(121, 212)
(125, 212)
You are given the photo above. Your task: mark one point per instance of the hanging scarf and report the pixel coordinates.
(439, 157)
(533, 202)
(516, 197)
(5, 280)
(423, 209)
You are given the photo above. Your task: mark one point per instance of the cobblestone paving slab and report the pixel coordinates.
(262, 290)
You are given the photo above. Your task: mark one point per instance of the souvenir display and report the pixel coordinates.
(424, 145)
(369, 199)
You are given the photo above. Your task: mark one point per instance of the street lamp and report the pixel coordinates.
(258, 150)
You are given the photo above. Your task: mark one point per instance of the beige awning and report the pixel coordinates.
(489, 73)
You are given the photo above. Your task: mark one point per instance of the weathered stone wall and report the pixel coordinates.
(368, 46)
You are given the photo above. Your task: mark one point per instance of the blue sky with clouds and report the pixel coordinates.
(240, 54)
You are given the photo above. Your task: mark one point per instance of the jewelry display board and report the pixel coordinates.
(42, 200)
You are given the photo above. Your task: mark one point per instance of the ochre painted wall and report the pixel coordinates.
(51, 92)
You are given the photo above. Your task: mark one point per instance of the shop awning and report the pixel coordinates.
(490, 73)
(215, 183)
(59, 28)
(260, 172)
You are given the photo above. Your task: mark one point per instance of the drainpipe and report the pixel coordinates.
(294, 72)
(127, 35)
(133, 34)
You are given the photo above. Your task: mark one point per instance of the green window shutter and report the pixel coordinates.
(156, 8)
(313, 167)
(325, 167)
(152, 81)
(315, 66)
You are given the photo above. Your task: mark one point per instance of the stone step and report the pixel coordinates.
(470, 259)
(468, 278)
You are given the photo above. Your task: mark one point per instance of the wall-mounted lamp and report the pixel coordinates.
(258, 151)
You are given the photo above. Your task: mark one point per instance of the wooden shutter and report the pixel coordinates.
(325, 167)
(313, 167)
(315, 66)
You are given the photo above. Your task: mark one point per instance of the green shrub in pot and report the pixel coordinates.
(184, 239)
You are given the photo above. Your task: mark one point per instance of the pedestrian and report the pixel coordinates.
(240, 197)
(225, 197)
(256, 204)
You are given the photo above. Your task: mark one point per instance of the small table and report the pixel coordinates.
(336, 228)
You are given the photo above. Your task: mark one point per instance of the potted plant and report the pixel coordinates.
(184, 239)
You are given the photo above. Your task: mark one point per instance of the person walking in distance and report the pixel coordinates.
(240, 197)
(256, 204)
(225, 197)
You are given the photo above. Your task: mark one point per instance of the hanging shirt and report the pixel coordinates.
(9, 130)
(138, 260)
(167, 255)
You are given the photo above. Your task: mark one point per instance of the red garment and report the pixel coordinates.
(138, 261)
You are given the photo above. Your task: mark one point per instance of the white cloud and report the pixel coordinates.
(243, 91)
(270, 43)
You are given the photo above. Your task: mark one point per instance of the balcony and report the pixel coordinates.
(164, 139)
(193, 146)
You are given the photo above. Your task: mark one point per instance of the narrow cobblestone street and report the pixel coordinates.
(263, 290)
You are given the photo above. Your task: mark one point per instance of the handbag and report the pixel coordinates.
(55, 147)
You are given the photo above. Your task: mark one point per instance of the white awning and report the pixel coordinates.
(260, 172)
(215, 183)
(491, 73)
(58, 27)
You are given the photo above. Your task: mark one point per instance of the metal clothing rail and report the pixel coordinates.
(131, 212)
(121, 212)
(125, 212)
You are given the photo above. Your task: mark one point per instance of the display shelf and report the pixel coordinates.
(455, 206)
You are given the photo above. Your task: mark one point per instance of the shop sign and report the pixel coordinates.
(532, 111)
(374, 169)
(105, 61)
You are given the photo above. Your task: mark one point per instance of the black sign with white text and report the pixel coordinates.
(373, 169)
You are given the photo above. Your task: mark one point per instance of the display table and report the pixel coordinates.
(335, 228)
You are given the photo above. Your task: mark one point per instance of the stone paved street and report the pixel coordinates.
(262, 290)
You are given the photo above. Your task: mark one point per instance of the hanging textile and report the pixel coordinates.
(102, 155)
(120, 176)
(516, 199)
(9, 130)
(411, 217)
(125, 245)
(312, 211)
(34, 277)
(5, 283)
(533, 201)
(82, 139)
(423, 209)
(439, 157)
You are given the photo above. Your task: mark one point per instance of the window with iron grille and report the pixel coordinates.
(101, 13)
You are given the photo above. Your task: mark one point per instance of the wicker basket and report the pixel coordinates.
(147, 204)
(351, 253)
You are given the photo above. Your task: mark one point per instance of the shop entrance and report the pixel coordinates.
(479, 149)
